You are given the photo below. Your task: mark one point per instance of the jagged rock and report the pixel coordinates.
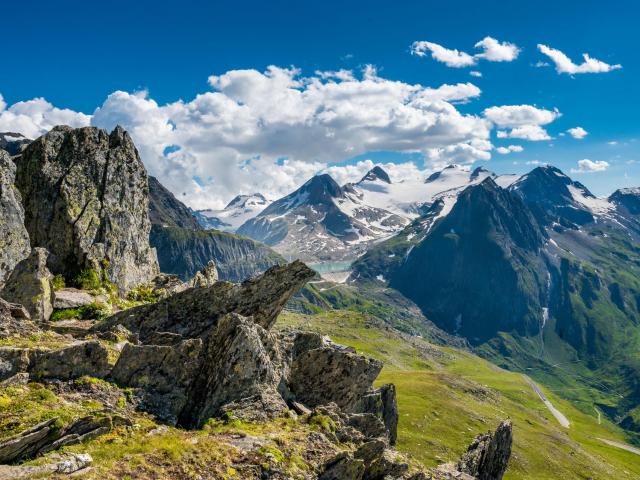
(83, 358)
(30, 285)
(261, 407)
(196, 311)
(15, 320)
(85, 195)
(13, 361)
(52, 435)
(239, 360)
(382, 403)
(18, 380)
(163, 372)
(487, 457)
(73, 463)
(14, 239)
(71, 298)
(205, 277)
(342, 467)
(389, 464)
(318, 377)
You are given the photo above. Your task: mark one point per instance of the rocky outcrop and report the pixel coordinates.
(14, 320)
(486, 458)
(83, 358)
(205, 277)
(52, 435)
(14, 239)
(85, 195)
(30, 285)
(208, 351)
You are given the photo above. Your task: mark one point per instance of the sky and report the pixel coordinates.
(224, 98)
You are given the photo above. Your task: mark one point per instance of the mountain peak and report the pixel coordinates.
(376, 173)
(245, 200)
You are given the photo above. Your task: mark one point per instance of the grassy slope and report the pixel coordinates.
(447, 396)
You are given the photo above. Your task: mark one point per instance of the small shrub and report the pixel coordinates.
(92, 311)
(143, 293)
(88, 279)
(58, 282)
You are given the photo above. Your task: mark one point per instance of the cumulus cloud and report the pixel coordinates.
(269, 131)
(565, 65)
(451, 58)
(525, 121)
(35, 117)
(590, 166)
(509, 149)
(496, 51)
(475, 73)
(578, 132)
(492, 51)
(460, 92)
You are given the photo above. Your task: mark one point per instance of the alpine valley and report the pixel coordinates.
(464, 325)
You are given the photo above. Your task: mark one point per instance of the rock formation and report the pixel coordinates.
(14, 239)
(85, 196)
(30, 285)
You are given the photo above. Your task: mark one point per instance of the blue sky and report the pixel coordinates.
(75, 54)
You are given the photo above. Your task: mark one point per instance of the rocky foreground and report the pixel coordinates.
(128, 355)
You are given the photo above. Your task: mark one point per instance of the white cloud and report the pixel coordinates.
(509, 149)
(541, 64)
(534, 162)
(589, 166)
(451, 58)
(524, 121)
(565, 65)
(578, 132)
(534, 133)
(518, 115)
(492, 51)
(495, 51)
(398, 172)
(460, 92)
(612, 142)
(475, 73)
(270, 131)
(35, 117)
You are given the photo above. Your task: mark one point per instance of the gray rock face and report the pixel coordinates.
(52, 435)
(14, 320)
(14, 239)
(30, 285)
(83, 358)
(196, 311)
(205, 277)
(71, 298)
(488, 455)
(85, 195)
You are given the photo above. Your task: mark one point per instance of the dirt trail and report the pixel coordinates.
(562, 420)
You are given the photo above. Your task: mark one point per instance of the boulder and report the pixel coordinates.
(90, 358)
(30, 285)
(382, 403)
(52, 435)
(342, 466)
(86, 200)
(205, 277)
(488, 456)
(14, 239)
(13, 361)
(329, 374)
(163, 372)
(15, 320)
(71, 298)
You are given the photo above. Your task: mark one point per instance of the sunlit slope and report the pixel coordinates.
(446, 396)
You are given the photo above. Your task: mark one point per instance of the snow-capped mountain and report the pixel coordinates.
(237, 212)
(410, 198)
(321, 221)
(13, 142)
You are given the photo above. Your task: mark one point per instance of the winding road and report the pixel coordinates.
(562, 420)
